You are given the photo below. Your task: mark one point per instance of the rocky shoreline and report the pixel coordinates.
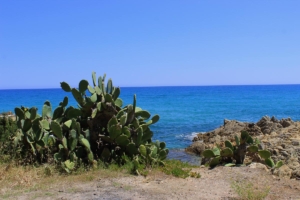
(8, 115)
(280, 137)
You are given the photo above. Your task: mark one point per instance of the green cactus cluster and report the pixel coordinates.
(235, 154)
(51, 132)
(99, 128)
(266, 155)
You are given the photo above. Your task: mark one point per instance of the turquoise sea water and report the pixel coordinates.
(184, 111)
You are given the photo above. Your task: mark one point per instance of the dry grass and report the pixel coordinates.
(17, 179)
(250, 189)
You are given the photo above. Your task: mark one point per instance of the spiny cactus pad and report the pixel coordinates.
(208, 153)
(264, 154)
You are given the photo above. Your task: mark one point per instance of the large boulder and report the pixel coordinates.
(196, 148)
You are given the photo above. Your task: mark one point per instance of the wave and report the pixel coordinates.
(188, 136)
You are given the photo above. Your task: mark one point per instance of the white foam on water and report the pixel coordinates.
(189, 136)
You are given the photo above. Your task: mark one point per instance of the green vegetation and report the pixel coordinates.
(100, 128)
(100, 133)
(248, 191)
(7, 129)
(235, 154)
(179, 169)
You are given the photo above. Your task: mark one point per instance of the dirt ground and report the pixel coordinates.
(213, 184)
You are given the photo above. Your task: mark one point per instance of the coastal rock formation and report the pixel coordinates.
(280, 137)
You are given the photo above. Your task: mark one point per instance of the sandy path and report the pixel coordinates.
(214, 184)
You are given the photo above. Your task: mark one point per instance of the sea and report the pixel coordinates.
(184, 110)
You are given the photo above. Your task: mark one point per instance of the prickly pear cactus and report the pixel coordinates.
(99, 128)
(233, 155)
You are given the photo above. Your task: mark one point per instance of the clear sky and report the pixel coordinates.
(149, 43)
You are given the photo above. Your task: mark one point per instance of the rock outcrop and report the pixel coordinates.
(280, 137)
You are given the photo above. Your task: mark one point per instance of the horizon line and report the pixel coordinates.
(162, 86)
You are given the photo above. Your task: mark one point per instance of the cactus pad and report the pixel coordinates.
(216, 151)
(56, 129)
(279, 164)
(264, 154)
(228, 144)
(105, 154)
(65, 86)
(253, 149)
(227, 152)
(83, 85)
(143, 114)
(143, 150)
(20, 114)
(122, 140)
(27, 125)
(269, 162)
(215, 161)
(208, 153)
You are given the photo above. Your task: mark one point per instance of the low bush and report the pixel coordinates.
(99, 129)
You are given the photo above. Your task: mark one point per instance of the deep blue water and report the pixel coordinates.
(184, 110)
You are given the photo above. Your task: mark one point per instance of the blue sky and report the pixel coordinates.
(149, 43)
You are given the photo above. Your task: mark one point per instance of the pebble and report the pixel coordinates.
(295, 143)
(279, 148)
(285, 153)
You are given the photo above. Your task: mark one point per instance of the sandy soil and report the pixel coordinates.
(213, 184)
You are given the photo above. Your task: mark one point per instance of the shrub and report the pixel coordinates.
(99, 128)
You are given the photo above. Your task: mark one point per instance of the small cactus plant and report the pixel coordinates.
(243, 145)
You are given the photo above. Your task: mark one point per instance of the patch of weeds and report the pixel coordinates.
(195, 175)
(116, 184)
(48, 170)
(48, 194)
(179, 169)
(127, 187)
(248, 191)
(119, 185)
(90, 177)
